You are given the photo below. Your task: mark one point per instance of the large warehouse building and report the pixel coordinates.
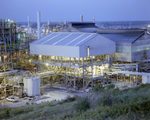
(79, 58)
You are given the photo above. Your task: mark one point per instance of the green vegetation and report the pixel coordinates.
(111, 86)
(98, 88)
(100, 104)
(82, 104)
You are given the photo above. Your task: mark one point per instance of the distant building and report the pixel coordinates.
(80, 27)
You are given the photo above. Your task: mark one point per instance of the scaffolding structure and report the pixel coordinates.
(14, 54)
(76, 73)
(11, 82)
(73, 72)
(14, 47)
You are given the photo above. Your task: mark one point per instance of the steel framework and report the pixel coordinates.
(74, 72)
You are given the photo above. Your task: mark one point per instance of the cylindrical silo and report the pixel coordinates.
(32, 86)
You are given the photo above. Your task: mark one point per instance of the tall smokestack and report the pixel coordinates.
(38, 25)
(48, 23)
(93, 18)
(28, 23)
(81, 18)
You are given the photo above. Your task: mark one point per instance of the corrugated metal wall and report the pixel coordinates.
(98, 46)
(141, 48)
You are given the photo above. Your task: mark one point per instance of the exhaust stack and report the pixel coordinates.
(81, 18)
(38, 25)
(93, 18)
(28, 23)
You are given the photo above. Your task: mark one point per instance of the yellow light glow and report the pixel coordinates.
(40, 56)
(101, 67)
(94, 70)
(46, 64)
(106, 65)
(5, 57)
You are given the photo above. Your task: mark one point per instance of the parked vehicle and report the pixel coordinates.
(11, 99)
(2, 98)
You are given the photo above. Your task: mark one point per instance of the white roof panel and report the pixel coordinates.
(85, 39)
(72, 44)
(65, 39)
(56, 38)
(39, 41)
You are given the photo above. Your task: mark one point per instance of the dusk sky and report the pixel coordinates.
(70, 10)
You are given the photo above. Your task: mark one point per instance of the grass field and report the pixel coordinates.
(99, 104)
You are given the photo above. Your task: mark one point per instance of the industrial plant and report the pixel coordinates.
(76, 56)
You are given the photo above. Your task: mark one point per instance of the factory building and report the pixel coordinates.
(131, 46)
(79, 56)
(76, 58)
(72, 56)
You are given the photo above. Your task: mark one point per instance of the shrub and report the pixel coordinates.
(69, 99)
(27, 103)
(110, 86)
(19, 110)
(6, 113)
(82, 104)
(75, 96)
(50, 103)
(32, 103)
(116, 91)
(105, 100)
(98, 88)
(145, 86)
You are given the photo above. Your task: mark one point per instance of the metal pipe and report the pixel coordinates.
(66, 76)
(70, 62)
(74, 80)
(117, 79)
(130, 81)
(83, 73)
(136, 79)
(124, 79)
(92, 71)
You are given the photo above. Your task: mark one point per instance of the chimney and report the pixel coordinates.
(48, 23)
(38, 25)
(28, 23)
(93, 18)
(81, 18)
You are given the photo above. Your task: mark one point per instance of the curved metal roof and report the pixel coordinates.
(123, 37)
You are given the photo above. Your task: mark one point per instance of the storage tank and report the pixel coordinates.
(145, 79)
(32, 86)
